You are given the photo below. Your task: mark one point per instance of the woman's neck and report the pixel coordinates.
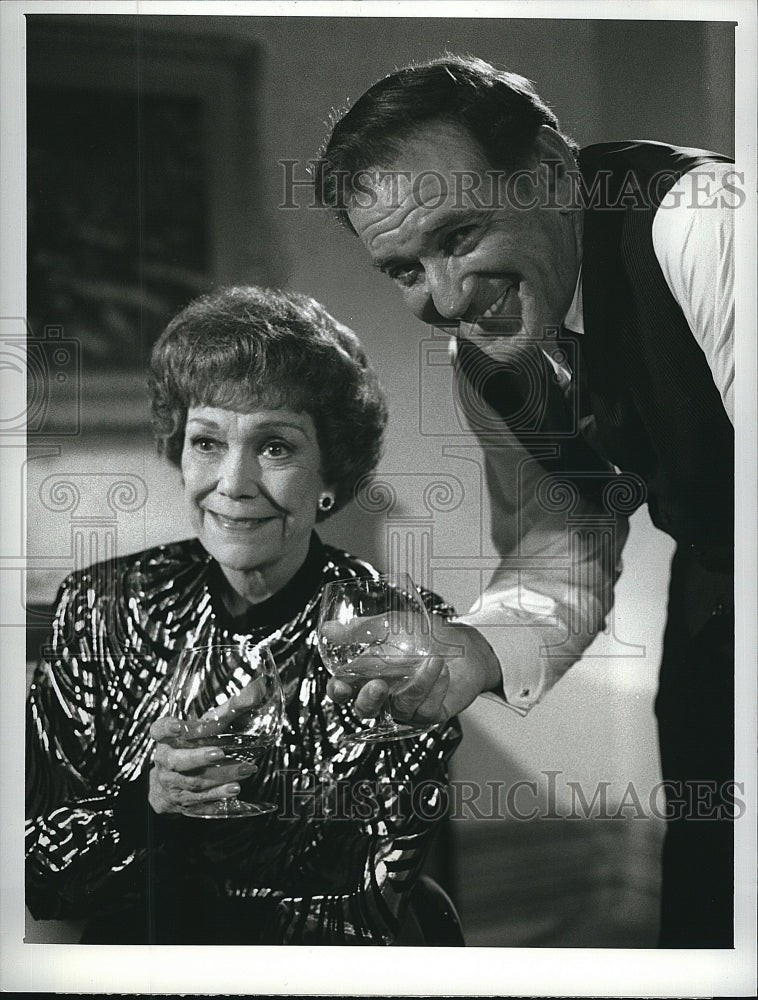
(250, 587)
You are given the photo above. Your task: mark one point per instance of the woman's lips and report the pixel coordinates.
(237, 523)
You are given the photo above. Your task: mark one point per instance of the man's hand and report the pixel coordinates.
(461, 667)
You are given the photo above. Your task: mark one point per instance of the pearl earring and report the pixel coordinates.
(326, 502)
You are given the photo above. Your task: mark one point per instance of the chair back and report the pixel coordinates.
(432, 919)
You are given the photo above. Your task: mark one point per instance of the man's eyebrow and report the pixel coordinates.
(467, 217)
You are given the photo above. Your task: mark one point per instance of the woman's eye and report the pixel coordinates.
(277, 449)
(205, 445)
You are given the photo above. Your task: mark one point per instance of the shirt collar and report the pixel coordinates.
(574, 318)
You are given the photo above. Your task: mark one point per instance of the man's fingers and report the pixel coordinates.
(363, 685)
(340, 691)
(370, 699)
(373, 664)
(250, 696)
(422, 695)
(433, 709)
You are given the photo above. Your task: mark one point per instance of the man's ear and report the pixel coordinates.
(557, 167)
(551, 145)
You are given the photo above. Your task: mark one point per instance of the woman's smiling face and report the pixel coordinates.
(252, 483)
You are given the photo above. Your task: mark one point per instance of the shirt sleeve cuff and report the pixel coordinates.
(519, 627)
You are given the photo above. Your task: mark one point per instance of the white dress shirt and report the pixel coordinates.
(554, 587)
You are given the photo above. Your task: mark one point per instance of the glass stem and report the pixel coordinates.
(386, 720)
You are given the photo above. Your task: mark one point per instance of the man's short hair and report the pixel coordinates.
(501, 111)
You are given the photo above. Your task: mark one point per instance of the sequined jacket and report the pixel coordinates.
(336, 862)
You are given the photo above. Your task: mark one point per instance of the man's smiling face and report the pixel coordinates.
(500, 268)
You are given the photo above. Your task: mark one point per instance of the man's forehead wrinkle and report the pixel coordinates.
(405, 221)
(387, 225)
(398, 226)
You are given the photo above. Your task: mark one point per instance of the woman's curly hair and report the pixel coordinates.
(244, 347)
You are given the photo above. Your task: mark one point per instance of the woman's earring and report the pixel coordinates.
(325, 502)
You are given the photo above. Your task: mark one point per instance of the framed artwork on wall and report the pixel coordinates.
(142, 192)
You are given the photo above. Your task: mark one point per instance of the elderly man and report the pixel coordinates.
(590, 293)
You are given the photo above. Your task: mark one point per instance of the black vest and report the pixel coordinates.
(639, 371)
(657, 410)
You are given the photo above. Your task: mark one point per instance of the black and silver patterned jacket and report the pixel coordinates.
(333, 866)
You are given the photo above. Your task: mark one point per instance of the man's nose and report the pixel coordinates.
(239, 475)
(451, 292)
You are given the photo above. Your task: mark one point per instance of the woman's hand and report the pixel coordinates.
(185, 778)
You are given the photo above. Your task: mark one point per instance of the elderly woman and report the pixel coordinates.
(271, 411)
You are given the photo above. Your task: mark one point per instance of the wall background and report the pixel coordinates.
(558, 883)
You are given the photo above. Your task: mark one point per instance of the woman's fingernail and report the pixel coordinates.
(214, 755)
(231, 790)
(246, 769)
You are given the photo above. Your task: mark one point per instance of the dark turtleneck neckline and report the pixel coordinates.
(282, 606)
